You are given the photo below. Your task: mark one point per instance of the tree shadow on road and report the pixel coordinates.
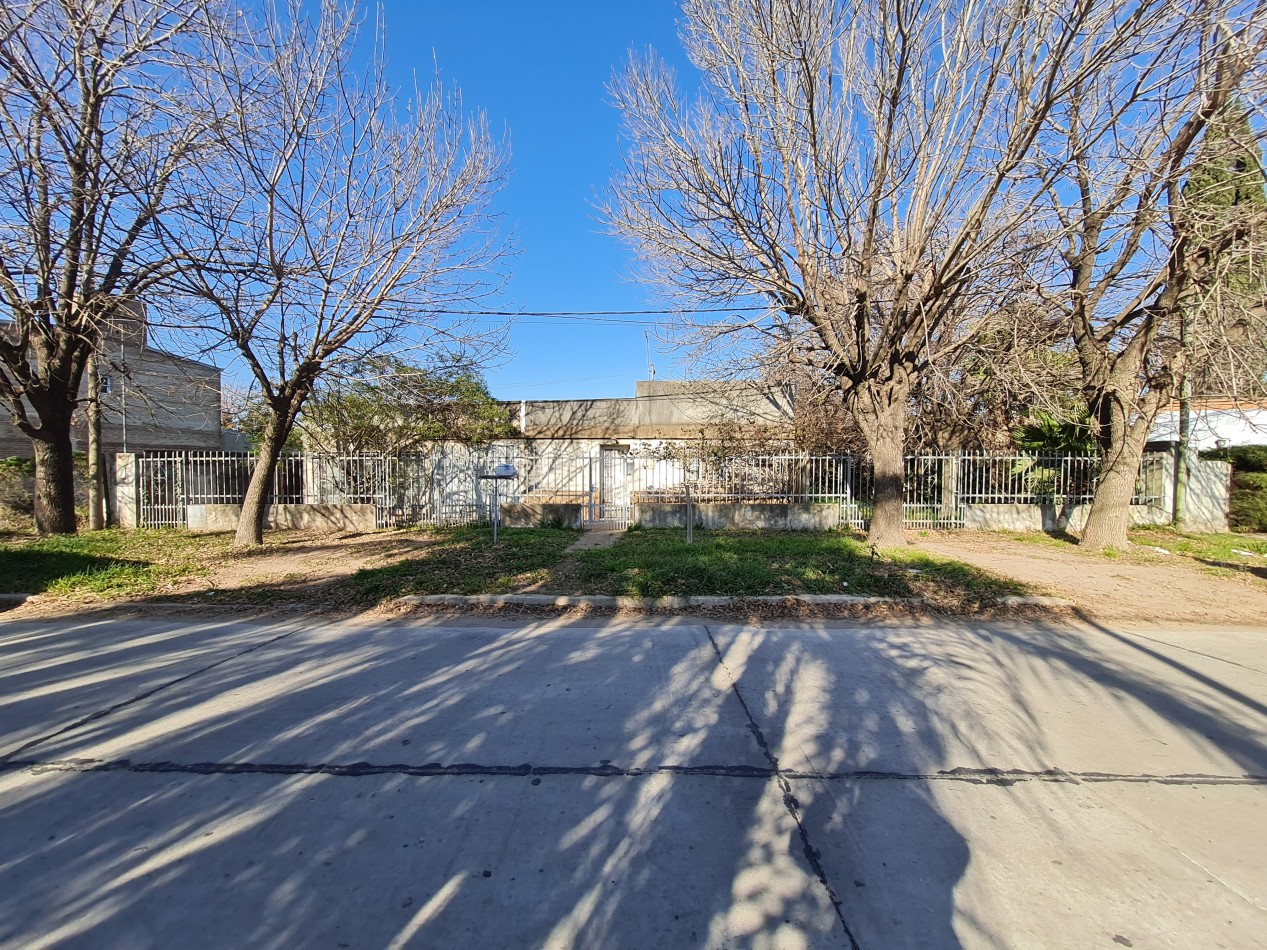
(613, 783)
(537, 784)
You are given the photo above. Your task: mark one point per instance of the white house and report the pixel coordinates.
(1217, 422)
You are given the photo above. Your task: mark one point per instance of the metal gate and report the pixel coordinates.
(615, 472)
(931, 492)
(161, 486)
(169, 482)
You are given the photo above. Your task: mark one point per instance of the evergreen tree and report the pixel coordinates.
(1228, 171)
(1225, 210)
(387, 405)
(1222, 338)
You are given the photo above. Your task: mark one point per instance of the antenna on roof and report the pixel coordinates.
(650, 365)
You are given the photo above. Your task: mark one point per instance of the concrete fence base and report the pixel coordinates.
(563, 514)
(779, 516)
(210, 518)
(1048, 517)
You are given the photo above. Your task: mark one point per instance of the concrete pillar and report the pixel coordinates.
(127, 493)
(948, 486)
(1208, 498)
(1166, 488)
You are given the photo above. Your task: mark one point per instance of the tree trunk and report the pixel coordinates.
(255, 504)
(54, 480)
(880, 411)
(1123, 446)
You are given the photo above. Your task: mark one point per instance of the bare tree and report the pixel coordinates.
(856, 166)
(1017, 365)
(1124, 141)
(332, 227)
(92, 142)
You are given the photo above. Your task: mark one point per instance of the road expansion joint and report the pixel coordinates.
(985, 776)
(812, 854)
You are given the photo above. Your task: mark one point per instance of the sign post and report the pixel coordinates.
(499, 474)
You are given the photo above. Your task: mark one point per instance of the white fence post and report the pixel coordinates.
(127, 498)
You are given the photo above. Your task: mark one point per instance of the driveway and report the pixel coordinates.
(622, 783)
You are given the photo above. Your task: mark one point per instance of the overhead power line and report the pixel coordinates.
(599, 313)
(610, 317)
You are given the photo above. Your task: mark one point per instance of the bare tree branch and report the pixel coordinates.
(857, 168)
(92, 139)
(332, 227)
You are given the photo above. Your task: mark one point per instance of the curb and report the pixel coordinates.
(15, 599)
(1036, 602)
(635, 603)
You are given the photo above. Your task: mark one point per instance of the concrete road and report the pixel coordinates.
(630, 784)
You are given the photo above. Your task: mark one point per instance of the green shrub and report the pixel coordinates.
(17, 480)
(15, 466)
(1244, 458)
(1248, 502)
(17, 490)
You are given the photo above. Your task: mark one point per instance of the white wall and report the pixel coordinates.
(1210, 426)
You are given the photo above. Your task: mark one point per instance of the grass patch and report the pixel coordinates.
(1221, 555)
(1214, 546)
(656, 563)
(1218, 547)
(1238, 553)
(464, 560)
(106, 563)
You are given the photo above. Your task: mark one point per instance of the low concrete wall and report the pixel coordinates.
(534, 515)
(1205, 505)
(1208, 499)
(294, 517)
(1048, 517)
(723, 516)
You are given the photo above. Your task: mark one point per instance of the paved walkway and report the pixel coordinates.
(596, 538)
(630, 784)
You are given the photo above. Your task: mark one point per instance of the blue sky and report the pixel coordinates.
(540, 70)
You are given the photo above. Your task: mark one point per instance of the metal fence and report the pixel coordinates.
(443, 486)
(440, 487)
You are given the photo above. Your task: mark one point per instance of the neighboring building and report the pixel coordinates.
(1217, 422)
(151, 399)
(662, 411)
(611, 453)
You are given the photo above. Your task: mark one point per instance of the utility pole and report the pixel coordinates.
(1185, 424)
(96, 493)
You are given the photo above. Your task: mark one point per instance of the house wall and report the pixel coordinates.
(1214, 422)
(659, 410)
(168, 402)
